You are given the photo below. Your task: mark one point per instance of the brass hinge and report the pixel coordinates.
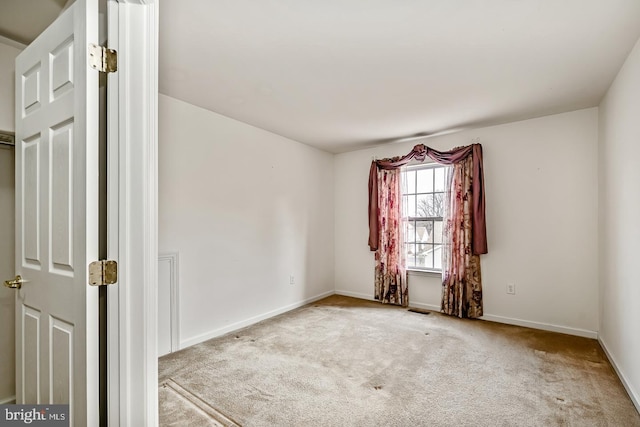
(104, 272)
(103, 59)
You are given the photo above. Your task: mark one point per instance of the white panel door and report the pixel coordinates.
(57, 216)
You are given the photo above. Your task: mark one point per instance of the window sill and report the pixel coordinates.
(428, 273)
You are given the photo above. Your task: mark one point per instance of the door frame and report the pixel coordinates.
(132, 174)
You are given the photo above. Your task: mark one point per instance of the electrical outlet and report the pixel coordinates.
(292, 280)
(511, 288)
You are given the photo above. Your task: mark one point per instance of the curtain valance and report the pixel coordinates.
(421, 152)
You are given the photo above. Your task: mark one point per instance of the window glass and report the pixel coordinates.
(410, 177)
(439, 179)
(411, 206)
(425, 180)
(423, 209)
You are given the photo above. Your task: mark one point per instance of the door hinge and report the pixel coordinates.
(103, 59)
(104, 272)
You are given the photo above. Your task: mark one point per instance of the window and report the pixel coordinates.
(423, 204)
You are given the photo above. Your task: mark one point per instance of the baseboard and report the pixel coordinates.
(493, 318)
(543, 326)
(244, 323)
(633, 394)
(499, 319)
(355, 295)
(423, 306)
(8, 400)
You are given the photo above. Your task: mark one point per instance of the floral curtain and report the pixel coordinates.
(461, 278)
(465, 229)
(390, 272)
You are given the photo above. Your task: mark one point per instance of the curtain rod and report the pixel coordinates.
(475, 140)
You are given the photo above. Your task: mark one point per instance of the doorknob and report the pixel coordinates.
(15, 283)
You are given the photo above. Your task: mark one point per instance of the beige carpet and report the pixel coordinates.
(348, 362)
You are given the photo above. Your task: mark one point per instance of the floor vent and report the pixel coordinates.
(419, 310)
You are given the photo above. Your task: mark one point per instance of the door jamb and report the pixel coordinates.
(132, 213)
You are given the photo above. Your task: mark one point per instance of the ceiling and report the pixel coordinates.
(345, 74)
(23, 20)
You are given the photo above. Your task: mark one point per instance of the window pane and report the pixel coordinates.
(405, 206)
(437, 262)
(437, 233)
(425, 181)
(411, 206)
(419, 257)
(424, 255)
(410, 176)
(409, 236)
(422, 231)
(410, 254)
(405, 231)
(439, 184)
(438, 204)
(424, 197)
(422, 209)
(434, 209)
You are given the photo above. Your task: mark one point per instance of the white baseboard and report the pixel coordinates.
(371, 298)
(238, 325)
(492, 318)
(355, 295)
(633, 394)
(543, 326)
(8, 400)
(423, 306)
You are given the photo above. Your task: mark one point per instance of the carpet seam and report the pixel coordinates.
(197, 401)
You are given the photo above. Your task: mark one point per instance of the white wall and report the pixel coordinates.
(541, 187)
(619, 157)
(245, 209)
(7, 190)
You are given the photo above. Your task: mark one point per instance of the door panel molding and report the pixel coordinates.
(61, 373)
(30, 342)
(170, 299)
